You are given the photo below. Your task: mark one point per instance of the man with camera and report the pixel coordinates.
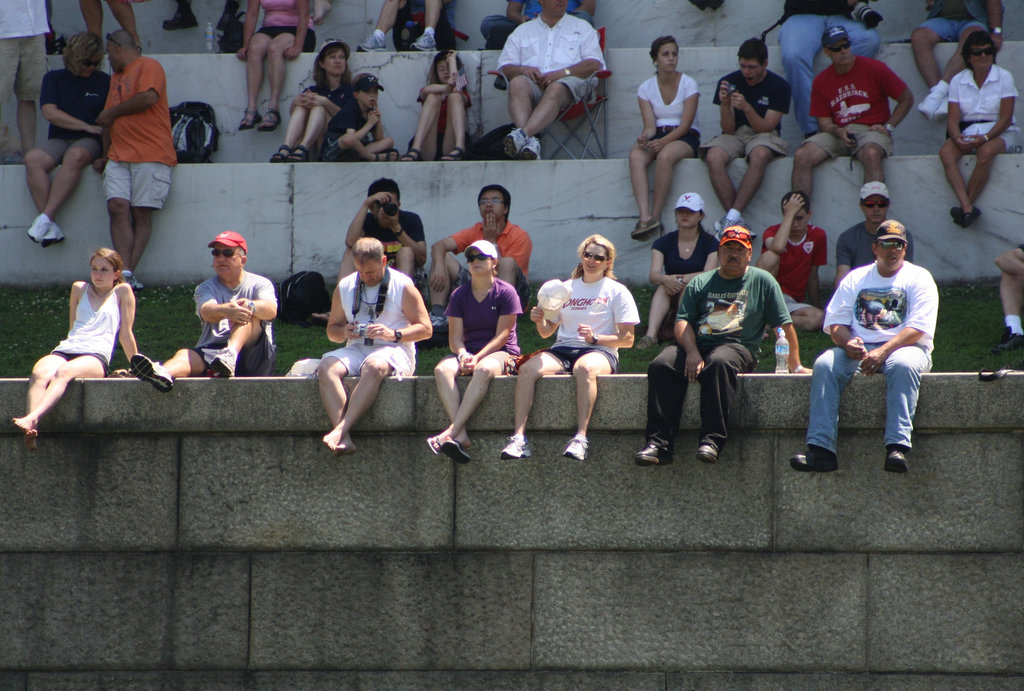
(379, 315)
(803, 22)
(850, 99)
(950, 21)
(401, 232)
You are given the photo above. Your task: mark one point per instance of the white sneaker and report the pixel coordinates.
(517, 447)
(145, 369)
(38, 229)
(720, 225)
(425, 42)
(514, 142)
(531, 150)
(934, 104)
(371, 44)
(577, 448)
(129, 278)
(224, 363)
(53, 235)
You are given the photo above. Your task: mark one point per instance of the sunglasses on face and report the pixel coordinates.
(875, 205)
(217, 252)
(839, 47)
(91, 63)
(891, 244)
(594, 257)
(983, 51)
(476, 256)
(736, 235)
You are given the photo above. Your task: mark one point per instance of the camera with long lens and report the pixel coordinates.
(863, 12)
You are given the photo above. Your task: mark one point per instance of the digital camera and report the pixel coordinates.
(862, 12)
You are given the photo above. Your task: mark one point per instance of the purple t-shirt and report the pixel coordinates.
(480, 319)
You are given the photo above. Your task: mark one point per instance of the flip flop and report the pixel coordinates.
(453, 450)
(283, 152)
(456, 154)
(270, 121)
(250, 119)
(434, 445)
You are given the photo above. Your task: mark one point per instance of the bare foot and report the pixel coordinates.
(29, 428)
(332, 439)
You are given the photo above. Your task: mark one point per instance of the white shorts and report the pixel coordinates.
(142, 184)
(353, 356)
(792, 305)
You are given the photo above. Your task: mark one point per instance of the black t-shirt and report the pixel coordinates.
(771, 93)
(350, 117)
(410, 223)
(80, 97)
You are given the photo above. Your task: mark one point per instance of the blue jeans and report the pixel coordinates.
(832, 372)
(800, 41)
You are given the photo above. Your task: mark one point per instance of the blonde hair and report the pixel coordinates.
(605, 244)
(111, 256)
(368, 248)
(81, 47)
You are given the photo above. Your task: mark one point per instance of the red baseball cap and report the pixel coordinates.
(230, 238)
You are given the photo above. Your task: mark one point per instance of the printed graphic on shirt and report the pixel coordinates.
(598, 305)
(881, 308)
(723, 314)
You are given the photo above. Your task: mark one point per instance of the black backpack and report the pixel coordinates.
(194, 129)
(491, 146)
(230, 40)
(302, 294)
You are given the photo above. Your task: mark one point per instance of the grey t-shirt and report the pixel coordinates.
(853, 248)
(252, 287)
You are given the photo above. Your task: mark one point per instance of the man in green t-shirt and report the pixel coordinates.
(721, 320)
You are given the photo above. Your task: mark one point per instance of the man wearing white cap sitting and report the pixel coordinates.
(854, 246)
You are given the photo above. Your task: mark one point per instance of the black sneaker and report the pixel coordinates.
(153, 372)
(1009, 341)
(707, 453)
(652, 455)
(896, 459)
(817, 460)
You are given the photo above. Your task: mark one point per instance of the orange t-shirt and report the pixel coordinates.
(143, 137)
(513, 242)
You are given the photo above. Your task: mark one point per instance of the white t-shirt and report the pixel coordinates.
(549, 48)
(391, 316)
(669, 114)
(983, 103)
(876, 308)
(602, 305)
(21, 18)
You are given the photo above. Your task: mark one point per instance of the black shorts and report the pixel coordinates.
(692, 137)
(308, 45)
(570, 354)
(71, 356)
(257, 360)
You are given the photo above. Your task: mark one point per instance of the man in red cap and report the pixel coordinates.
(237, 309)
(721, 320)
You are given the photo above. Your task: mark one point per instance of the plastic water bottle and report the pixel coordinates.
(209, 35)
(781, 352)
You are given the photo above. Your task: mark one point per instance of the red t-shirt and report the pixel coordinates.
(798, 259)
(860, 95)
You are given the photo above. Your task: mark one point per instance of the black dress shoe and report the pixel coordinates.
(183, 19)
(896, 459)
(707, 453)
(816, 460)
(652, 455)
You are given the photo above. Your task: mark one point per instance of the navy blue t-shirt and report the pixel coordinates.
(772, 93)
(668, 245)
(410, 223)
(339, 96)
(350, 117)
(80, 97)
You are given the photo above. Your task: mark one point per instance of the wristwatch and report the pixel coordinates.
(890, 128)
(593, 339)
(252, 306)
(398, 336)
(568, 72)
(997, 29)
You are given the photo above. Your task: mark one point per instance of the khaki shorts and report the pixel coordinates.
(22, 65)
(862, 133)
(792, 305)
(581, 89)
(56, 148)
(746, 140)
(142, 184)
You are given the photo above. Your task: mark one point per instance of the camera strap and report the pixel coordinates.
(382, 294)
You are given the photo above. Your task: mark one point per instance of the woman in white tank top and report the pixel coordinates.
(100, 309)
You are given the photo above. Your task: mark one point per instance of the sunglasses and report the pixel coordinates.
(983, 51)
(91, 63)
(875, 205)
(475, 256)
(217, 252)
(736, 235)
(594, 257)
(839, 47)
(891, 244)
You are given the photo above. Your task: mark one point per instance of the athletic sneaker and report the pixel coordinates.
(530, 150)
(514, 142)
(1009, 341)
(517, 447)
(934, 104)
(721, 224)
(223, 363)
(425, 42)
(145, 369)
(371, 44)
(577, 448)
(39, 226)
(128, 277)
(53, 235)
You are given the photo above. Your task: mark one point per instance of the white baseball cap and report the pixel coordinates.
(691, 201)
(485, 248)
(872, 188)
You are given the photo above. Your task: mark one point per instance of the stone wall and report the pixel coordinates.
(205, 538)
